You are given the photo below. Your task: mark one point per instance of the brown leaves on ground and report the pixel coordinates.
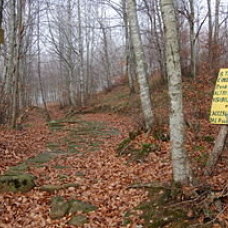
(103, 182)
(103, 177)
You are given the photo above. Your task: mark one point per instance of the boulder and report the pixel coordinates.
(17, 183)
(59, 207)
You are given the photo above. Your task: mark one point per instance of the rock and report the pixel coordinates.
(17, 183)
(78, 205)
(51, 188)
(41, 158)
(15, 170)
(78, 220)
(59, 207)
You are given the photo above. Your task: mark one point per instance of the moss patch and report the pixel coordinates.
(17, 183)
(41, 158)
(19, 169)
(59, 207)
(137, 154)
(78, 220)
(78, 205)
(165, 208)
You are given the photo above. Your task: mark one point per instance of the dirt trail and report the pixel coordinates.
(87, 157)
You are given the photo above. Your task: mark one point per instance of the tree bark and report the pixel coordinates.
(215, 57)
(107, 59)
(180, 165)
(210, 33)
(217, 150)
(140, 65)
(11, 53)
(18, 59)
(81, 58)
(48, 118)
(128, 52)
(192, 38)
(1, 12)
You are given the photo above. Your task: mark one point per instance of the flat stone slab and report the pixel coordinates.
(78, 220)
(78, 205)
(51, 188)
(17, 183)
(59, 207)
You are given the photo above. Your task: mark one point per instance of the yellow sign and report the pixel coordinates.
(219, 108)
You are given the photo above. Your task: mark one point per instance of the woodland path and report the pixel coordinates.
(88, 158)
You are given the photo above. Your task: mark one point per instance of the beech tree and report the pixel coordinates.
(180, 164)
(140, 64)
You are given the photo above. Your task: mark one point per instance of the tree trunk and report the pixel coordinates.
(107, 59)
(140, 64)
(215, 58)
(161, 43)
(18, 59)
(217, 150)
(11, 47)
(128, 49)
(192, 39)
(48, 118)
(210, 31)
(181, 169)
(1, 12)
(81, 58)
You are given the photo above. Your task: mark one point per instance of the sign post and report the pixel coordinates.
(219, 108)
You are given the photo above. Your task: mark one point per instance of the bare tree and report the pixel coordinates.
(181, 169)
(140, 64)
(48, 118)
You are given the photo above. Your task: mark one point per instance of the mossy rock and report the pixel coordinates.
(165, 209)
(59, 207)
(19, 169)
(78, 220)
(52, 188)
(17, 183)
(168, 216)
(146, 148)
(42, 158)
(78, 205)
(125, 148)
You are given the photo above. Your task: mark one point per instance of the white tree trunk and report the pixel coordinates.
(181, 169)
(81, 58)
(48, 118)
(140, 64)
(128, 50)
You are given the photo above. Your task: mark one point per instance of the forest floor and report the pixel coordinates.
(75, 156)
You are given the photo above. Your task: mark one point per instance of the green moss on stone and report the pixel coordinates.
(78, 220)
(78, 205)
(17, 183)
